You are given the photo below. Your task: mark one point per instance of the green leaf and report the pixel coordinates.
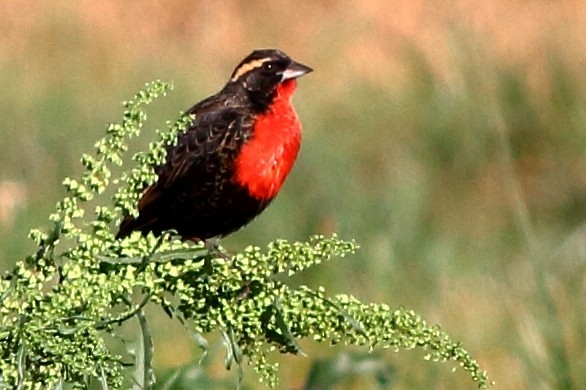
(233, 353)
(144, 375)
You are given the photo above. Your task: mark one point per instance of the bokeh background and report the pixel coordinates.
(448, 138)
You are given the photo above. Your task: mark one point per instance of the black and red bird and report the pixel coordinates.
(232, 160)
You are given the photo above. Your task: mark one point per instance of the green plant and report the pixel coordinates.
(82, 284)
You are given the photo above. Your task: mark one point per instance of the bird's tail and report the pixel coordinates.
(142, 224)
(127, 226)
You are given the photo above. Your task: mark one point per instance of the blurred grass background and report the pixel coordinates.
(448, 138)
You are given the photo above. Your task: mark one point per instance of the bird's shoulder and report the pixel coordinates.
(220, 128)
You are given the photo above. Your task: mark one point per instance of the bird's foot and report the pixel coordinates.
(245, 291)
(214, 249)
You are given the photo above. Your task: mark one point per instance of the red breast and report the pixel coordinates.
(265, 161)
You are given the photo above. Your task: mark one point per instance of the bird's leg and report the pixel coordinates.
(212, 247)
(246, 290)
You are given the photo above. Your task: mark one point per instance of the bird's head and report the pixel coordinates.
(262, 72)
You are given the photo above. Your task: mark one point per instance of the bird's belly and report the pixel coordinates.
(217, 211)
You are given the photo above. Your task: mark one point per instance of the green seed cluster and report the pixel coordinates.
(60, 305)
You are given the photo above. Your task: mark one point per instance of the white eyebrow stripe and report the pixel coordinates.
(247, 67)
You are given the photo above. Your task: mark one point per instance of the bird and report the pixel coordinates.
(232, 160)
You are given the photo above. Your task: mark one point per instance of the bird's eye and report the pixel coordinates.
(268, 66)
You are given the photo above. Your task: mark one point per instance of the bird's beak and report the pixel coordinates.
(294, 70)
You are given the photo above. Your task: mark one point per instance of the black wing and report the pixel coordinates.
(201, 153)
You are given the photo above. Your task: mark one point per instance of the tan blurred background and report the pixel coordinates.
(448, 138)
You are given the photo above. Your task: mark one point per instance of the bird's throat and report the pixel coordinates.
(267, 158)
